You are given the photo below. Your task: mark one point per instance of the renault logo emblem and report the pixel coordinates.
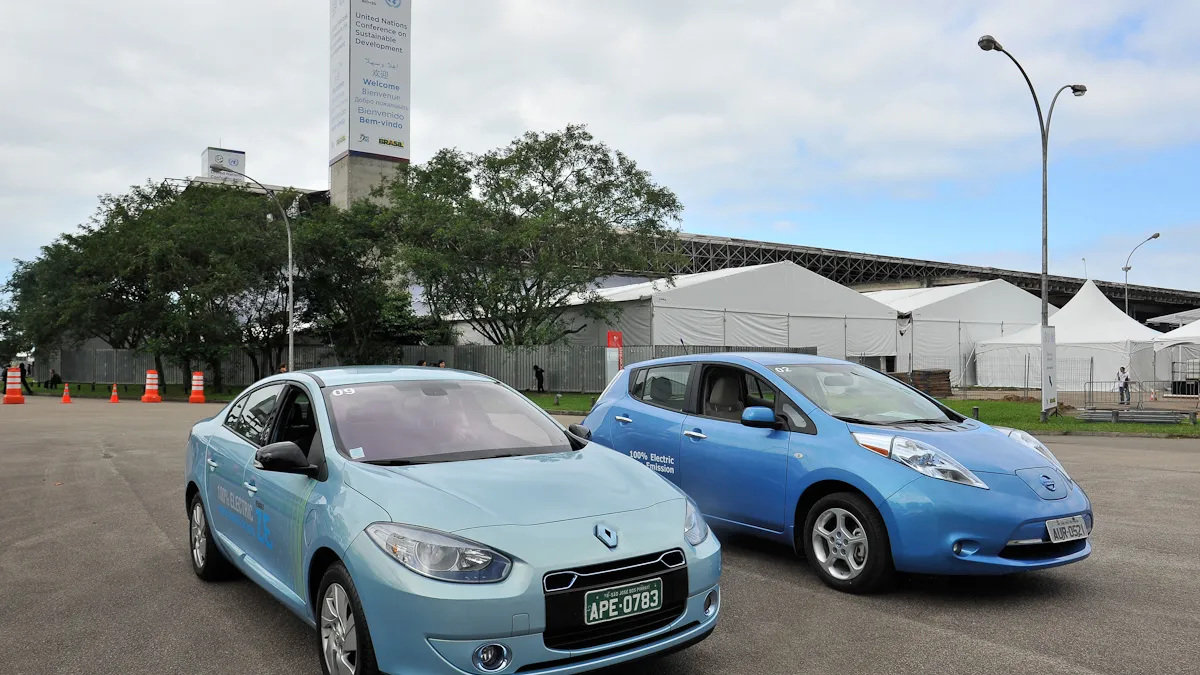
(606, 535)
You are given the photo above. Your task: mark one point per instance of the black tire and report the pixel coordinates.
(214, 566)
(364, 660)
(877, 570)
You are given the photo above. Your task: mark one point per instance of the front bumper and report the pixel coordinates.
(928, 517)
(420, 626)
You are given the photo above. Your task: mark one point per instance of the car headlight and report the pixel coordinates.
(920, 457)
(438, 555)
(1026, 439)
(695, 530)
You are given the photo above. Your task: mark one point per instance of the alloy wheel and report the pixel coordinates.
(840, 543)
(199, 537)
(339, 638)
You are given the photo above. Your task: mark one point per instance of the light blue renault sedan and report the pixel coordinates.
(431, 521)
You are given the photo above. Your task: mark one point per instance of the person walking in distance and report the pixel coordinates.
(283, 368)
(540, 374)
(1123, 385)
(441, 364)
(24, 383)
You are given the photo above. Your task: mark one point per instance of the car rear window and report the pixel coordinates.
(438, 421)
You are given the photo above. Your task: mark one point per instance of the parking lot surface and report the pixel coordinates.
(94, 574)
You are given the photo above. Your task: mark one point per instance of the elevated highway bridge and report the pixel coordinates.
(870, 272)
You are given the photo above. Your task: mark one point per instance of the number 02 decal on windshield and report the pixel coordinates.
(780, 369)
(340, 392)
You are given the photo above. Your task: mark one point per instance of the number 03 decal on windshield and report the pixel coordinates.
(341, 392)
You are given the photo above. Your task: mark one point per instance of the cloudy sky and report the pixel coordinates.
(863, 125)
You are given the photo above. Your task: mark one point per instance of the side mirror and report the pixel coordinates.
(759, 417)
(580, 431)
(284, 457)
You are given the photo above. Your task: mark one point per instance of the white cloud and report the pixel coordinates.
(733, 104)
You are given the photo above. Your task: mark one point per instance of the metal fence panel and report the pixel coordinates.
(569, 368)
(1142, 394)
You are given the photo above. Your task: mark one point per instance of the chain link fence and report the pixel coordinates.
(568, 368)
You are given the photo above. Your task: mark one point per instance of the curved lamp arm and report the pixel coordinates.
(1126, 268)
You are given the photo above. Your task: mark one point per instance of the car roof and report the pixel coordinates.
(742, 359)
(341, 376)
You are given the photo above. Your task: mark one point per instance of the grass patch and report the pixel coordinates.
(1025, 416)
(133, 392)
(572, 402)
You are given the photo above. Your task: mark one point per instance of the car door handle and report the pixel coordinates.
(212, 464)
(250, 487)
(694, 434)
(622, 418)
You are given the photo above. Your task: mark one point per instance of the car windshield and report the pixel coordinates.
(437, 421)
(856, 393)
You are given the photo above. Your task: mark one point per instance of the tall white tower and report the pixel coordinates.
(370, 69)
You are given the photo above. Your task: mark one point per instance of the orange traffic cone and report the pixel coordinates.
(12, 388)
(197, 388)
(114, 398)
(151, 395)
(66, 393)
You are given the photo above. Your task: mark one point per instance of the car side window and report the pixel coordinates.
(723, 394)
(256, 414)
(666, 386)
(797, 420)
(637, 383)
(235, 413)
(759, 393)
(297, 421)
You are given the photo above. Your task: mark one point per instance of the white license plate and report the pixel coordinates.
(1067, 529)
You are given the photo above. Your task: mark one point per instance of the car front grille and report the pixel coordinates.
(565, 591)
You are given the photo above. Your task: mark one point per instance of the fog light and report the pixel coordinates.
(491, 658)
(965, 547)
(712, 603)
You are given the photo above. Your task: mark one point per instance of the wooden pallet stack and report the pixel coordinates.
(936, 383)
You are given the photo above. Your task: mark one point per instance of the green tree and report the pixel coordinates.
(93, 283)
(221, 261)
(354, 296)
(11, 339)
(187, 274)
(510, 239)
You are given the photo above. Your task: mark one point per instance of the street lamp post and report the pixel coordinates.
(988, 43)
(291, 364)
(1126, 268)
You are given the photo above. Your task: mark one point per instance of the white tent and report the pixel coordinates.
(1184, 346)
(1176, 320)
(1188, 334)
(775, 305)
(938, 327)
(1094, 338)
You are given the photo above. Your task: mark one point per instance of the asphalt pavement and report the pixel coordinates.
(94, 574)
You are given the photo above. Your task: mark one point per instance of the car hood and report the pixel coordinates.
(526, 490)
(976, 446)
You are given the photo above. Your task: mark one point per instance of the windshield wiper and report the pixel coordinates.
(392, 462)
(856, 420)
(923, 421)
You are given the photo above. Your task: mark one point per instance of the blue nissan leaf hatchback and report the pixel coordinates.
(861, 473)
